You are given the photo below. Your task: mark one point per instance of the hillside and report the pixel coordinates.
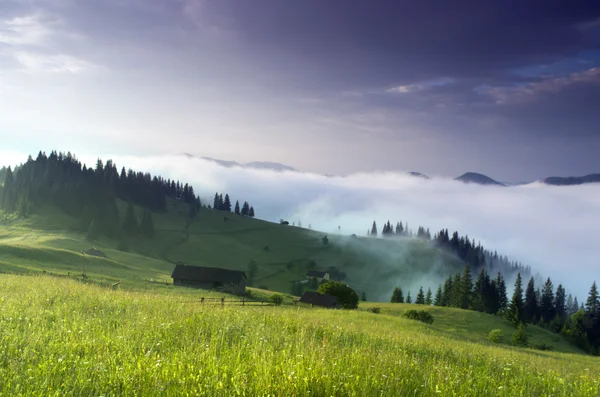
(49, 239)
(573, 180)
(163, 342)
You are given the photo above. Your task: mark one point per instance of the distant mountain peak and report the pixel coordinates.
(480, 179)
(418, 175)
(572, 180)
(259, 165)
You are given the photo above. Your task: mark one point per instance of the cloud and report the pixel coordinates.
(547, 85)
(24, 30)
(552, 229)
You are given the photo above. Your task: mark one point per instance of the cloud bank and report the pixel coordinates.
(550, 228)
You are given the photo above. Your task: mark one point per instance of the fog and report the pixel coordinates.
(552, 229)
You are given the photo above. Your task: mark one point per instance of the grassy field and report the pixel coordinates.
(49, 240)
(62, 337)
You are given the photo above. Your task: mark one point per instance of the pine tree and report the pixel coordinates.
(251, 212)
(592, 305)
(560, 302)
(374, 230)
(501, 290)
(438, 297)
(547, 310)
(130, 225)
(420, 297)
(221, 203)
(245, 209)
(237, 207)
(447, 292)
(397, 295)
(408, 298)
(227, 203)
(428, 300)
(215, 201)
(592, 316)
(514, 313)
(531, 310)
(466, 288)
(147, 225)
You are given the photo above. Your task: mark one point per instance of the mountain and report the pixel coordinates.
(418, 175)
(259, 165)
(480, 179)
(572, 180)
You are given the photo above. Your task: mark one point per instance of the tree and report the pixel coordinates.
(216, 202)
(363, 296)
(501, 290)
(520, 336)
(237, 207)
(592, 316)
(428, 300)
(251, 212)
(438, 297)
(252, 270)
(466, 288)
(547, 310)
(514, 313)
(245, 209)
(345, 295)
(227, 203)
(408, 298)
(374, 230)
(560, 304)
(325, 241)
(420, 297)
(147, 225)
(530, 308)
(397, 295)
(130, 225)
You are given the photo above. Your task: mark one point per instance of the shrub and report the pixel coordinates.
(543, 346)
(520, 337)
(345, 295)
(375, 310)
(419, 315)
(276, 299)
(496, 336)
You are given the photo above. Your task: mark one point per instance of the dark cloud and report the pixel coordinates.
(403, 41)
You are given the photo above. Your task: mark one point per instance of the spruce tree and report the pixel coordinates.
(237, 207)
(215, 201)
(592, 304)
(251, 212)
(501, 290)
(514, 313)
(227, 203)
(592, 316)
(420, 297)
(530, 308)
(428, 299)
(547, 310)
(374, 230)
(447, 292)
(466, 288)
(397, 296)
(221, 203)
(560, 304)
(438, 297)
(130, 225)
(408, 298)
(245, 209)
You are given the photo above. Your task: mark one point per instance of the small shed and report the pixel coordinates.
(232, 281)
(317, 275)
(316, 299)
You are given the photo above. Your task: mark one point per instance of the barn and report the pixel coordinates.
(225, 280)
(316, 299)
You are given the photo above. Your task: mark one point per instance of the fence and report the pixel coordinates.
(234, 302)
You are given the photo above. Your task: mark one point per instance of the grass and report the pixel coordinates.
(49, 240)
(61, 337)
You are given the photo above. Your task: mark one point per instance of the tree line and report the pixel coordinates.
(546, 307)
(224, 204)
(466, 249)
(91, 193)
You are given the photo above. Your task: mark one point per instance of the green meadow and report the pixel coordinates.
(62, 334)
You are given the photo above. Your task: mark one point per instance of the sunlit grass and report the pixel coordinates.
(62, 337)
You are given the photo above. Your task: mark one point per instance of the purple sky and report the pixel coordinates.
(510, 89)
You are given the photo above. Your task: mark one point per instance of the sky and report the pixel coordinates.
(510, 89)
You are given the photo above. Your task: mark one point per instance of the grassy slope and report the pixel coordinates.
(61, 337)
(374, 266)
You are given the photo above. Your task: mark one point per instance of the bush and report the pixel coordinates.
(276, 299)
(543, 346)
(520, 337)
(496, 336)
(375, 310)
(345, 295)
(419, 315)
